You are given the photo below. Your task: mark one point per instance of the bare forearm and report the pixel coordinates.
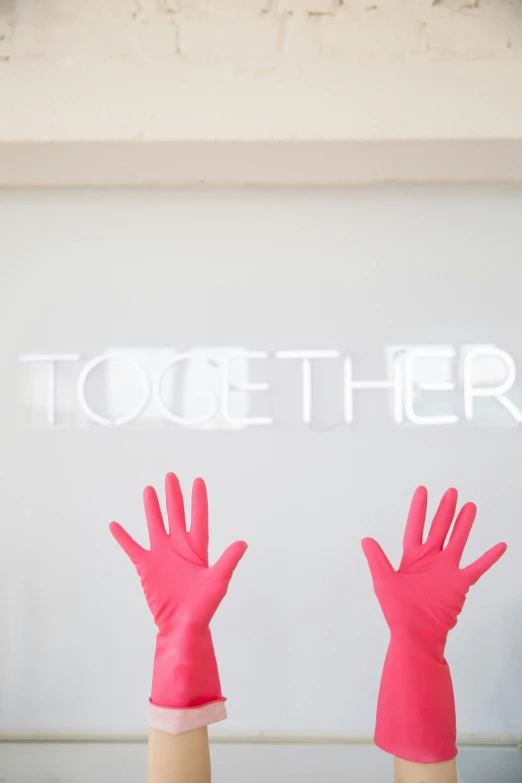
(411, 772)
(179, 758)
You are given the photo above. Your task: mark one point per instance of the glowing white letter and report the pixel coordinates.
(350, 385)
(53, 359)
(411, 358)
(498, 391)
(181, 420)
(306, 356)
(82, 399)
(228, 385)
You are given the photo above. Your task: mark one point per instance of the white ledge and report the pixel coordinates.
(325, 124)
(28, 164)
(248, 737)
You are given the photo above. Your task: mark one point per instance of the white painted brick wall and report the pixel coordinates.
(253, 35)
(259, 69)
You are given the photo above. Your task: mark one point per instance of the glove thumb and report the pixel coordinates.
(380, 566)
(228, 561)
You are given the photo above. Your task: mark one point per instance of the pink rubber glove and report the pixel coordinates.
(183, 594)
(421, 602)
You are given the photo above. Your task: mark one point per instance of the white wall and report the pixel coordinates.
(300, 638)
(352, 270)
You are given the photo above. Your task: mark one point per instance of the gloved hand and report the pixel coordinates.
(183, 594)
(421, 602)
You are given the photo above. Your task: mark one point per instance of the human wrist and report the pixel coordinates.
(412, 772)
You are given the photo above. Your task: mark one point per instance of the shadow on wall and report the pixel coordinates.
(483, 765)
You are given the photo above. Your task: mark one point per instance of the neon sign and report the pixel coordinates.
(473, 372)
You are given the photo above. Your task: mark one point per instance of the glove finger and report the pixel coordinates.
(378, 562)
(154, 517)
(442, 520)
(127, 543)
(175, 505)
(199, 519)
(226, 565)
(474, 571)
(416, 519)
(462, 529)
